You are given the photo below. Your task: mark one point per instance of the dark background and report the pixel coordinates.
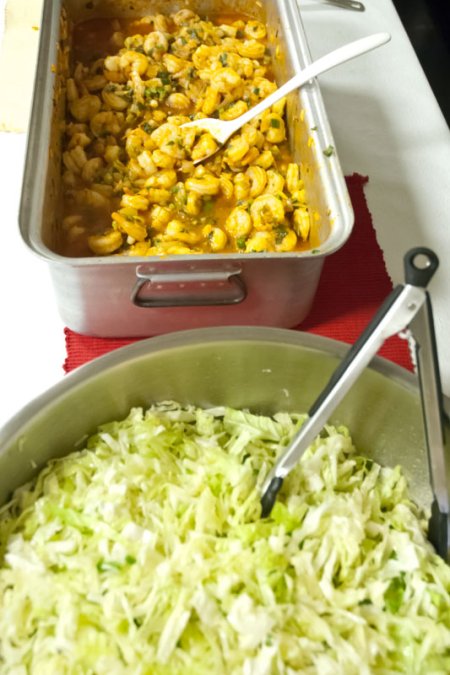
(427, 23)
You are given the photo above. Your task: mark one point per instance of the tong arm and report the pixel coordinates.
(422, 330)
(394, 315)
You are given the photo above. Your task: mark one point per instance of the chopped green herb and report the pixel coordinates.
(240, 242)
(314, 128)
(223, 58)
(148, 128)
(328, 151)
(164, 76)
(108, 566)
(280, 234)
(256, 91)
(275, 123)
(393, 596)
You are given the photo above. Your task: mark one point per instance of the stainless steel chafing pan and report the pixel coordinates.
(117, 296)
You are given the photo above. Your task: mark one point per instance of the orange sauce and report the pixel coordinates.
(91, 40)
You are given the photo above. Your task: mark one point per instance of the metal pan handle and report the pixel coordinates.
(194, 288)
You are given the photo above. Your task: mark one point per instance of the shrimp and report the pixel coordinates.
(266, 211)
(156, 44)
(85, 108)
(110, 122)
(238, 223)
(105, 244)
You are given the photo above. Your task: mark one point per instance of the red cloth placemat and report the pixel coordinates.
(353, 284)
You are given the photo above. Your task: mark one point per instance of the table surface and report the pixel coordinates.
(386, 124)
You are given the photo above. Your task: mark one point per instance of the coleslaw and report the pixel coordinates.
(145, 553)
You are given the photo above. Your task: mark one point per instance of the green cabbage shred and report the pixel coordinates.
(145, 554)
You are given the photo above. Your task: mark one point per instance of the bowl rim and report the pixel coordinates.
(196, 336)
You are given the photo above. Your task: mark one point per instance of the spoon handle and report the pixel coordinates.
(334, 58)
(347, 4)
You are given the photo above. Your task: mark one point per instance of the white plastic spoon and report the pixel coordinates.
(221, 130)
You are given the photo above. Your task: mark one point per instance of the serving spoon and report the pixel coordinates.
(347, 4)
(221, 130)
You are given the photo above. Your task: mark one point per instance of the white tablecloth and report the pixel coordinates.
(386, 123)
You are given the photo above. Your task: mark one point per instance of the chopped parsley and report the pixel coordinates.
(328, 152)
(280, 234)
(164, 76)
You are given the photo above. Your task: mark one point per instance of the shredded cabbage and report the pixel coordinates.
(145, 553)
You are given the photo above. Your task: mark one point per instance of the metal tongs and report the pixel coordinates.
(407, 307)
